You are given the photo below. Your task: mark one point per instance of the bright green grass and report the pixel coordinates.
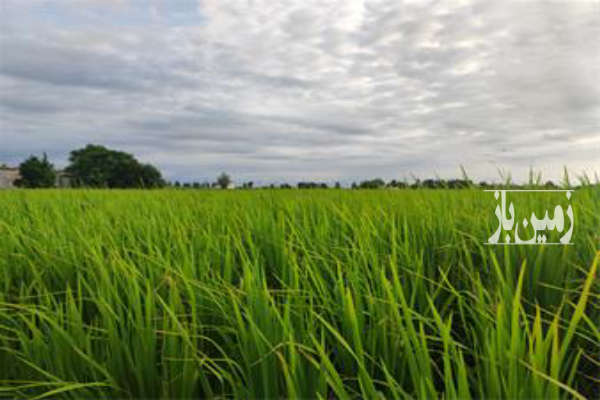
(299, 294)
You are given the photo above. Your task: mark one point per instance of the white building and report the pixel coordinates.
(8, 176)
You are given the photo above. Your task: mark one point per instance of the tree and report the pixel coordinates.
(372, 184)
(224, 180)
(397, 184)
(36, 173)
(97, 166)
(311, 185)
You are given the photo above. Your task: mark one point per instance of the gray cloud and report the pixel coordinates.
(313, 90)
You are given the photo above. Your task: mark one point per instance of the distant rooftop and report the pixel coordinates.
(7, 168)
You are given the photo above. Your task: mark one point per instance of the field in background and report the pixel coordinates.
(302, 294)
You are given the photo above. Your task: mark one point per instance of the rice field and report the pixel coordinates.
(331, 294)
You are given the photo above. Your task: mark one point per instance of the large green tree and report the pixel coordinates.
(36, 173)
(97, 166)
(224, 180)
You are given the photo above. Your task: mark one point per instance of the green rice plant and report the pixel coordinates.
(296, 294)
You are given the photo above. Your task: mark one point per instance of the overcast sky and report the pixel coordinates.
(278, 90)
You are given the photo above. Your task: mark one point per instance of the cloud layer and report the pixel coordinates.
(319, 89)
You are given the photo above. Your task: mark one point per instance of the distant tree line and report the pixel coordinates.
(96, 166)
(92, 166)
(223, 181)
(379, 183)
(312, 185)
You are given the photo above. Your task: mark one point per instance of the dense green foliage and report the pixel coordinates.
(97, 166)
(224, 180)
(301, 294)
(36, 173)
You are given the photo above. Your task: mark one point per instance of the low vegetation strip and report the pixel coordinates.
(295, 294)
